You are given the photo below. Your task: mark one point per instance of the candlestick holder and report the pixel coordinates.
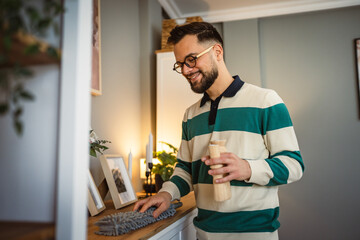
(147, 174)
(150, 165)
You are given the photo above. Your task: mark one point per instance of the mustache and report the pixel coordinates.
(188, 76)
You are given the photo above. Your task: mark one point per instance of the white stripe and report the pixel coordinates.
(245, 145)
(294, 167)
(184, 175)
(252, 96)
(281, 139)
(243, 198)
(171, 188)
(195, 110)
(261, 172)
(202, 235)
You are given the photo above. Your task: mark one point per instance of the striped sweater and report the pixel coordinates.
(257, 126)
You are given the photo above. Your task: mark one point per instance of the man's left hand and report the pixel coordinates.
(234, 168)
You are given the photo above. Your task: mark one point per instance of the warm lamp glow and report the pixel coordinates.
(143, 166)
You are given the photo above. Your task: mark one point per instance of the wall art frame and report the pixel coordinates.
(96, 82)
(95, 202)
(118, 180)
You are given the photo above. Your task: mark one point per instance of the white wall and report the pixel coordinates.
(28, 163)
(123, 113)
(309, 59)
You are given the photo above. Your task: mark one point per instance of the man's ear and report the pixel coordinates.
(219, 52)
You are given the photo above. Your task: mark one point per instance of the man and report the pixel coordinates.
(263, 152)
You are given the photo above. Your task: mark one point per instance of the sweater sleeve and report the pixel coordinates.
(284, 163)
(180, 182)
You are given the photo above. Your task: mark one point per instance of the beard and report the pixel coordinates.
(206, 82)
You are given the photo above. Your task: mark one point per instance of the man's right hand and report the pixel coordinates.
(161, 200)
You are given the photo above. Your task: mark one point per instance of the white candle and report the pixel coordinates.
(151, 147)
(147, 158)
(130, 164)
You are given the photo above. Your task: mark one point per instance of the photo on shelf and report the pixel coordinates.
(118, 180)
(95, 202)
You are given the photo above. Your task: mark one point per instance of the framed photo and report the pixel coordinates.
(95, 202)
(96, 51)
(117, 178)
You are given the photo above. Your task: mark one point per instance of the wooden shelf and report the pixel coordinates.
(27, 230)
(142, 233)
(19, 43)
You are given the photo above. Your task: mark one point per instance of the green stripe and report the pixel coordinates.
(281, 173)
(200, 175)
(181, 184)
(295, 155)
(276, 117)
(248, 119)
(197, 126)
(186, 166)
(237, 222)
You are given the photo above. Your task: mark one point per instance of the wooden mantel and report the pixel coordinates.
(143, 233)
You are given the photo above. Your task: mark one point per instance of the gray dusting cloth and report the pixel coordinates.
(123, 222)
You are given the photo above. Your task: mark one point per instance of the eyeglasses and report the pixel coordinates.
(190, 61)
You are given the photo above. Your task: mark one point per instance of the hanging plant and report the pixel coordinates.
(20, 21)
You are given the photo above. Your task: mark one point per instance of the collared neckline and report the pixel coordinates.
(233, 88)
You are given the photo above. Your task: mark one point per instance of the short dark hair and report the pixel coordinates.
(203, 30)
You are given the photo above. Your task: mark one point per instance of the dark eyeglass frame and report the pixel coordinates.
(178, 66)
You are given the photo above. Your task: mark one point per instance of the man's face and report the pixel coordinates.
(205, 72)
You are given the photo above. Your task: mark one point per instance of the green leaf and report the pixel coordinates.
(32, 13)
(51, 51)
(17, 113)
(92, 152)
(18, 125)
(27, 95)
(4, 108)
(24, 72)
(32, 49)
(43, 24)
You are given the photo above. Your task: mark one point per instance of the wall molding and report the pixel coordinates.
(255, 11)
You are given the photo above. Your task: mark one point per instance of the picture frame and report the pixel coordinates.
(95, 202)
(96, 83)
(118, 180)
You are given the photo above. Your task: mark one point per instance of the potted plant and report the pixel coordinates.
(96, 144)
(165, 168)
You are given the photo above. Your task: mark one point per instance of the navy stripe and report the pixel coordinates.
(237, 222)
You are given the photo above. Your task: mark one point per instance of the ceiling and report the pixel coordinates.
(231, 10)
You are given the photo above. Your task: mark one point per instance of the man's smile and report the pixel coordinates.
(193, 77)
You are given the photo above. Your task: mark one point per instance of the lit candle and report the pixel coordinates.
(147, 158)
(151, 147)
(130, 164)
